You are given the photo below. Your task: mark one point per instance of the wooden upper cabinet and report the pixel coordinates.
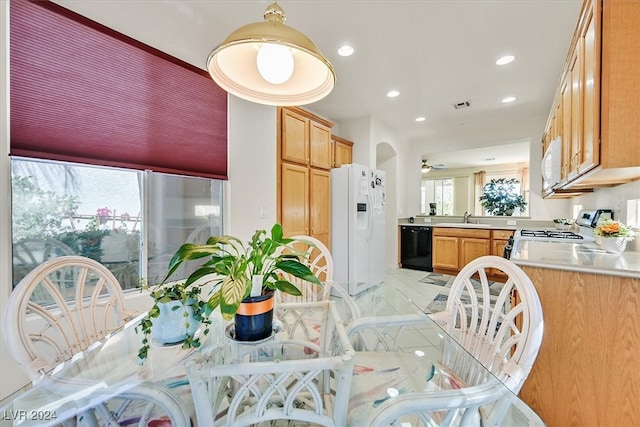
(342, 152)
(590, 151)
(304, 140)
(320, 146)
(600, 126)
(574, 78)
(295, 129)
(565, 134)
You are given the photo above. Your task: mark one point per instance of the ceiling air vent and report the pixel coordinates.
(461, 105)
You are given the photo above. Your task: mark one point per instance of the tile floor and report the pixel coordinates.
(407, 282)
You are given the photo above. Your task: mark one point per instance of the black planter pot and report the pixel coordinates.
(254, 319)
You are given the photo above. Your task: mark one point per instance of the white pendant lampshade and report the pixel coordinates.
(271, 63)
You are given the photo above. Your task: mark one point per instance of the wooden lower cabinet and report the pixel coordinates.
(453, 248)
(587, 373)
(499, 239)
(471, 248)
(446, 252)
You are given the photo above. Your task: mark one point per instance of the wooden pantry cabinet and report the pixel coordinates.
(595, 111)
(304, 180)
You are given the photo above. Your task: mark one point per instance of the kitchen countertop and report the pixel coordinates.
(583, 257)
(489, 222)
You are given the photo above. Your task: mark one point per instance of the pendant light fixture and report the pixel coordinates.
(271, 63)
(425, 167)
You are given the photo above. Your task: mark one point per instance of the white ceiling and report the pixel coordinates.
(435, 52)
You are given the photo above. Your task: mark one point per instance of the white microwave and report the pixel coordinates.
(552, 164)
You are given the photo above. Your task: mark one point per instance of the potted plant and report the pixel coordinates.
(176, 314)
(613, 235)
(241, 274)
(499, 197)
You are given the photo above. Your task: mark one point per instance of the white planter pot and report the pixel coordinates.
(172, 326)
(613, 245)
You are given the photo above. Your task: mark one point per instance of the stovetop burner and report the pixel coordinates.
(551, 234)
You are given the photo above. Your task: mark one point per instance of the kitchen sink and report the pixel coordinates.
(461, 225)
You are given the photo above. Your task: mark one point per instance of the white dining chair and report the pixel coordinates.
(30, 253)
(505, 331)
(284, 378)
(45, 325)
(315, 255)
(477, 373)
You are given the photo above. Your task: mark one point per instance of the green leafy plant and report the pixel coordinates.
(177, 291)
(500, 197)
(230, 265)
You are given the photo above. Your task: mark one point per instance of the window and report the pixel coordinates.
(633, 213)
(97, 212)
(437, 193)
(520, 187)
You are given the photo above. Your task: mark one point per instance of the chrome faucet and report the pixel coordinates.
(466, 217)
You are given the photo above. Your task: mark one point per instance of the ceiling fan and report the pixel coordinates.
(427, 167)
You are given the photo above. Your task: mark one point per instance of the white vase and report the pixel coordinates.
(613, 245)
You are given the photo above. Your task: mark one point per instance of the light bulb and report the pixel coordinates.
(275, 63)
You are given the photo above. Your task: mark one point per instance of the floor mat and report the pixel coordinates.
(439, 302)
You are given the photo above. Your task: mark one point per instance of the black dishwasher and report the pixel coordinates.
(415, 247)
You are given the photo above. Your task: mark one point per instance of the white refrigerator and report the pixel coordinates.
(357, 227)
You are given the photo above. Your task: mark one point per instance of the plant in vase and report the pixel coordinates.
(613, 235)
(176, 314)
(242, 275)
(500, 197)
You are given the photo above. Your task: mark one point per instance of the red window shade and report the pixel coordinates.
(82, 92)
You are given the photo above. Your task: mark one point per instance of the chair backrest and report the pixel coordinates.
(59, 309)
(502, 331)
(30, 253)
(316, 256)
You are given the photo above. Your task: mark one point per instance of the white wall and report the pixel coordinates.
(250, 193)
(612, 198)
(359, 132)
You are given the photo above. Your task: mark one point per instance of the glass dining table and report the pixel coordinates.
(111, 367)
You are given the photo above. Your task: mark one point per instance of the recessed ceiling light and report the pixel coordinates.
(505, 60)
(393, 93)
(508, 99)
(420, 119)
(345, 50)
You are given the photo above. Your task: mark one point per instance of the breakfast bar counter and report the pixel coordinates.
(586, 373)
(580, 257)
